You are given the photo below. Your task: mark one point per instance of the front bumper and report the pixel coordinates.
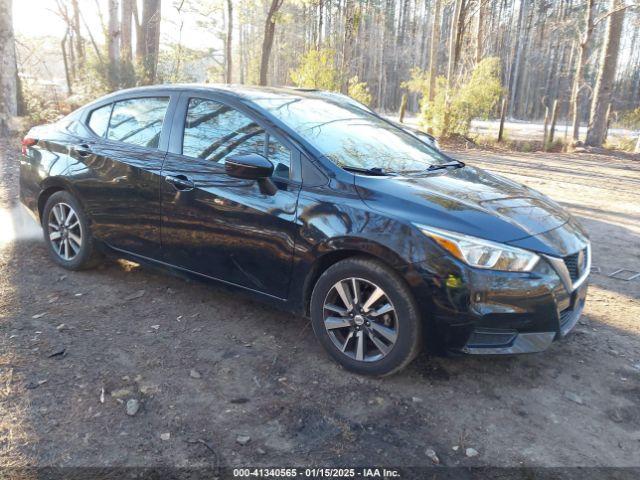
(487, 342)
(487, 312)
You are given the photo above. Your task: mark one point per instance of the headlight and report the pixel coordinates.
(480, 253)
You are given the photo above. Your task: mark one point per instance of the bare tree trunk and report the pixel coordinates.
(514, 74)
(241, 42)
(267, 43)
(320, 20)
(554, 119)
(71, 52)
(139, 34)
(604, 84)
(228, 51)
(606, 132)
(127, 14)
(103, 25)
(65, 62)
(582, 60)
(380, 58)
(77, 34)
(460, 32)
(403, 108)
(113, 42)
(479, 31)
(150, 47)
(93, 41)
(452, 64)
(349, 18)
(433, 55)
(8, 68)
(503, 115)
(545, 135)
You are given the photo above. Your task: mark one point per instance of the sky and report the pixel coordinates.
(33, 18)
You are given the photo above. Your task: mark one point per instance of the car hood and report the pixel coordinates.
(475, 202)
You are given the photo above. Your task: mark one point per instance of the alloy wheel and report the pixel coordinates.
(360, 319)
(65, 231)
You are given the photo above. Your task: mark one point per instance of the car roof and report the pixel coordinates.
(241, 91)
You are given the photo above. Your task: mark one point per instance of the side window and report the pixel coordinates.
(99, 120)
(213, 131)
(138, 121)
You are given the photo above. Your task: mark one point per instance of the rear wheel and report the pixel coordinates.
(67, 233)
(365, 316)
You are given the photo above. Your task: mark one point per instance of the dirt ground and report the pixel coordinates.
(208, 366)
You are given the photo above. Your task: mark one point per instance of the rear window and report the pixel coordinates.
(138, 121)
(99, 120)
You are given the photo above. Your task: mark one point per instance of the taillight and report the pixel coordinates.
(26, 143)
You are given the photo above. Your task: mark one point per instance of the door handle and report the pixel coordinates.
(83, 149)
(180, 182)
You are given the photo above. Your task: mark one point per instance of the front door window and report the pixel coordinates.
(213, 131)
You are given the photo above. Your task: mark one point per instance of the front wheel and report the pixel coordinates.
(365, 317)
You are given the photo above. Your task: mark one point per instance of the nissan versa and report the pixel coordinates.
(313, 202)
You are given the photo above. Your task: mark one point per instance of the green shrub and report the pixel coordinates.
(41, 103)
(630, 119)
(317, 69)
(359, 91)
(625, 144)
(418, 82)
(476, 98)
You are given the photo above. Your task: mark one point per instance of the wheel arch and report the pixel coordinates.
(50, 186)
(341, 249)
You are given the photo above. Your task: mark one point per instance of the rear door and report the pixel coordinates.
(229, 229)
(124, 162)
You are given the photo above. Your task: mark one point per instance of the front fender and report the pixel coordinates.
(361, 245)
(334, 223)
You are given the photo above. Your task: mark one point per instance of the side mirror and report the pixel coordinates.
(249, 166)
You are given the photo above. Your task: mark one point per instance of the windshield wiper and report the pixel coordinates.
(441, 166)
(370, 171)
(378, 171)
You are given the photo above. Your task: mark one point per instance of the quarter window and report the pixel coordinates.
(138, 121)
(213, 131)
(99, 120)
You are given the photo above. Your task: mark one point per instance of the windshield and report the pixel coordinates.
(352, 137)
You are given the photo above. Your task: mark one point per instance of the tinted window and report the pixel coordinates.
(350, 136)
(214, 131)
(138, 121)
(99, 120)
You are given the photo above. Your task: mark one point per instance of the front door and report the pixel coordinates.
(229, 229)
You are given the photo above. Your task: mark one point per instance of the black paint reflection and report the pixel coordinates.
(138, 121)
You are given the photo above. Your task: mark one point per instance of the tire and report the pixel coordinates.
(64, 222)
(390, 340)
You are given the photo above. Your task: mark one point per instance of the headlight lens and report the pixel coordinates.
(480, 253)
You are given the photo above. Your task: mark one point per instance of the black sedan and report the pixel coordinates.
(316, 204)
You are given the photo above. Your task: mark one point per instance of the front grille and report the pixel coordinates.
(576, 264)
